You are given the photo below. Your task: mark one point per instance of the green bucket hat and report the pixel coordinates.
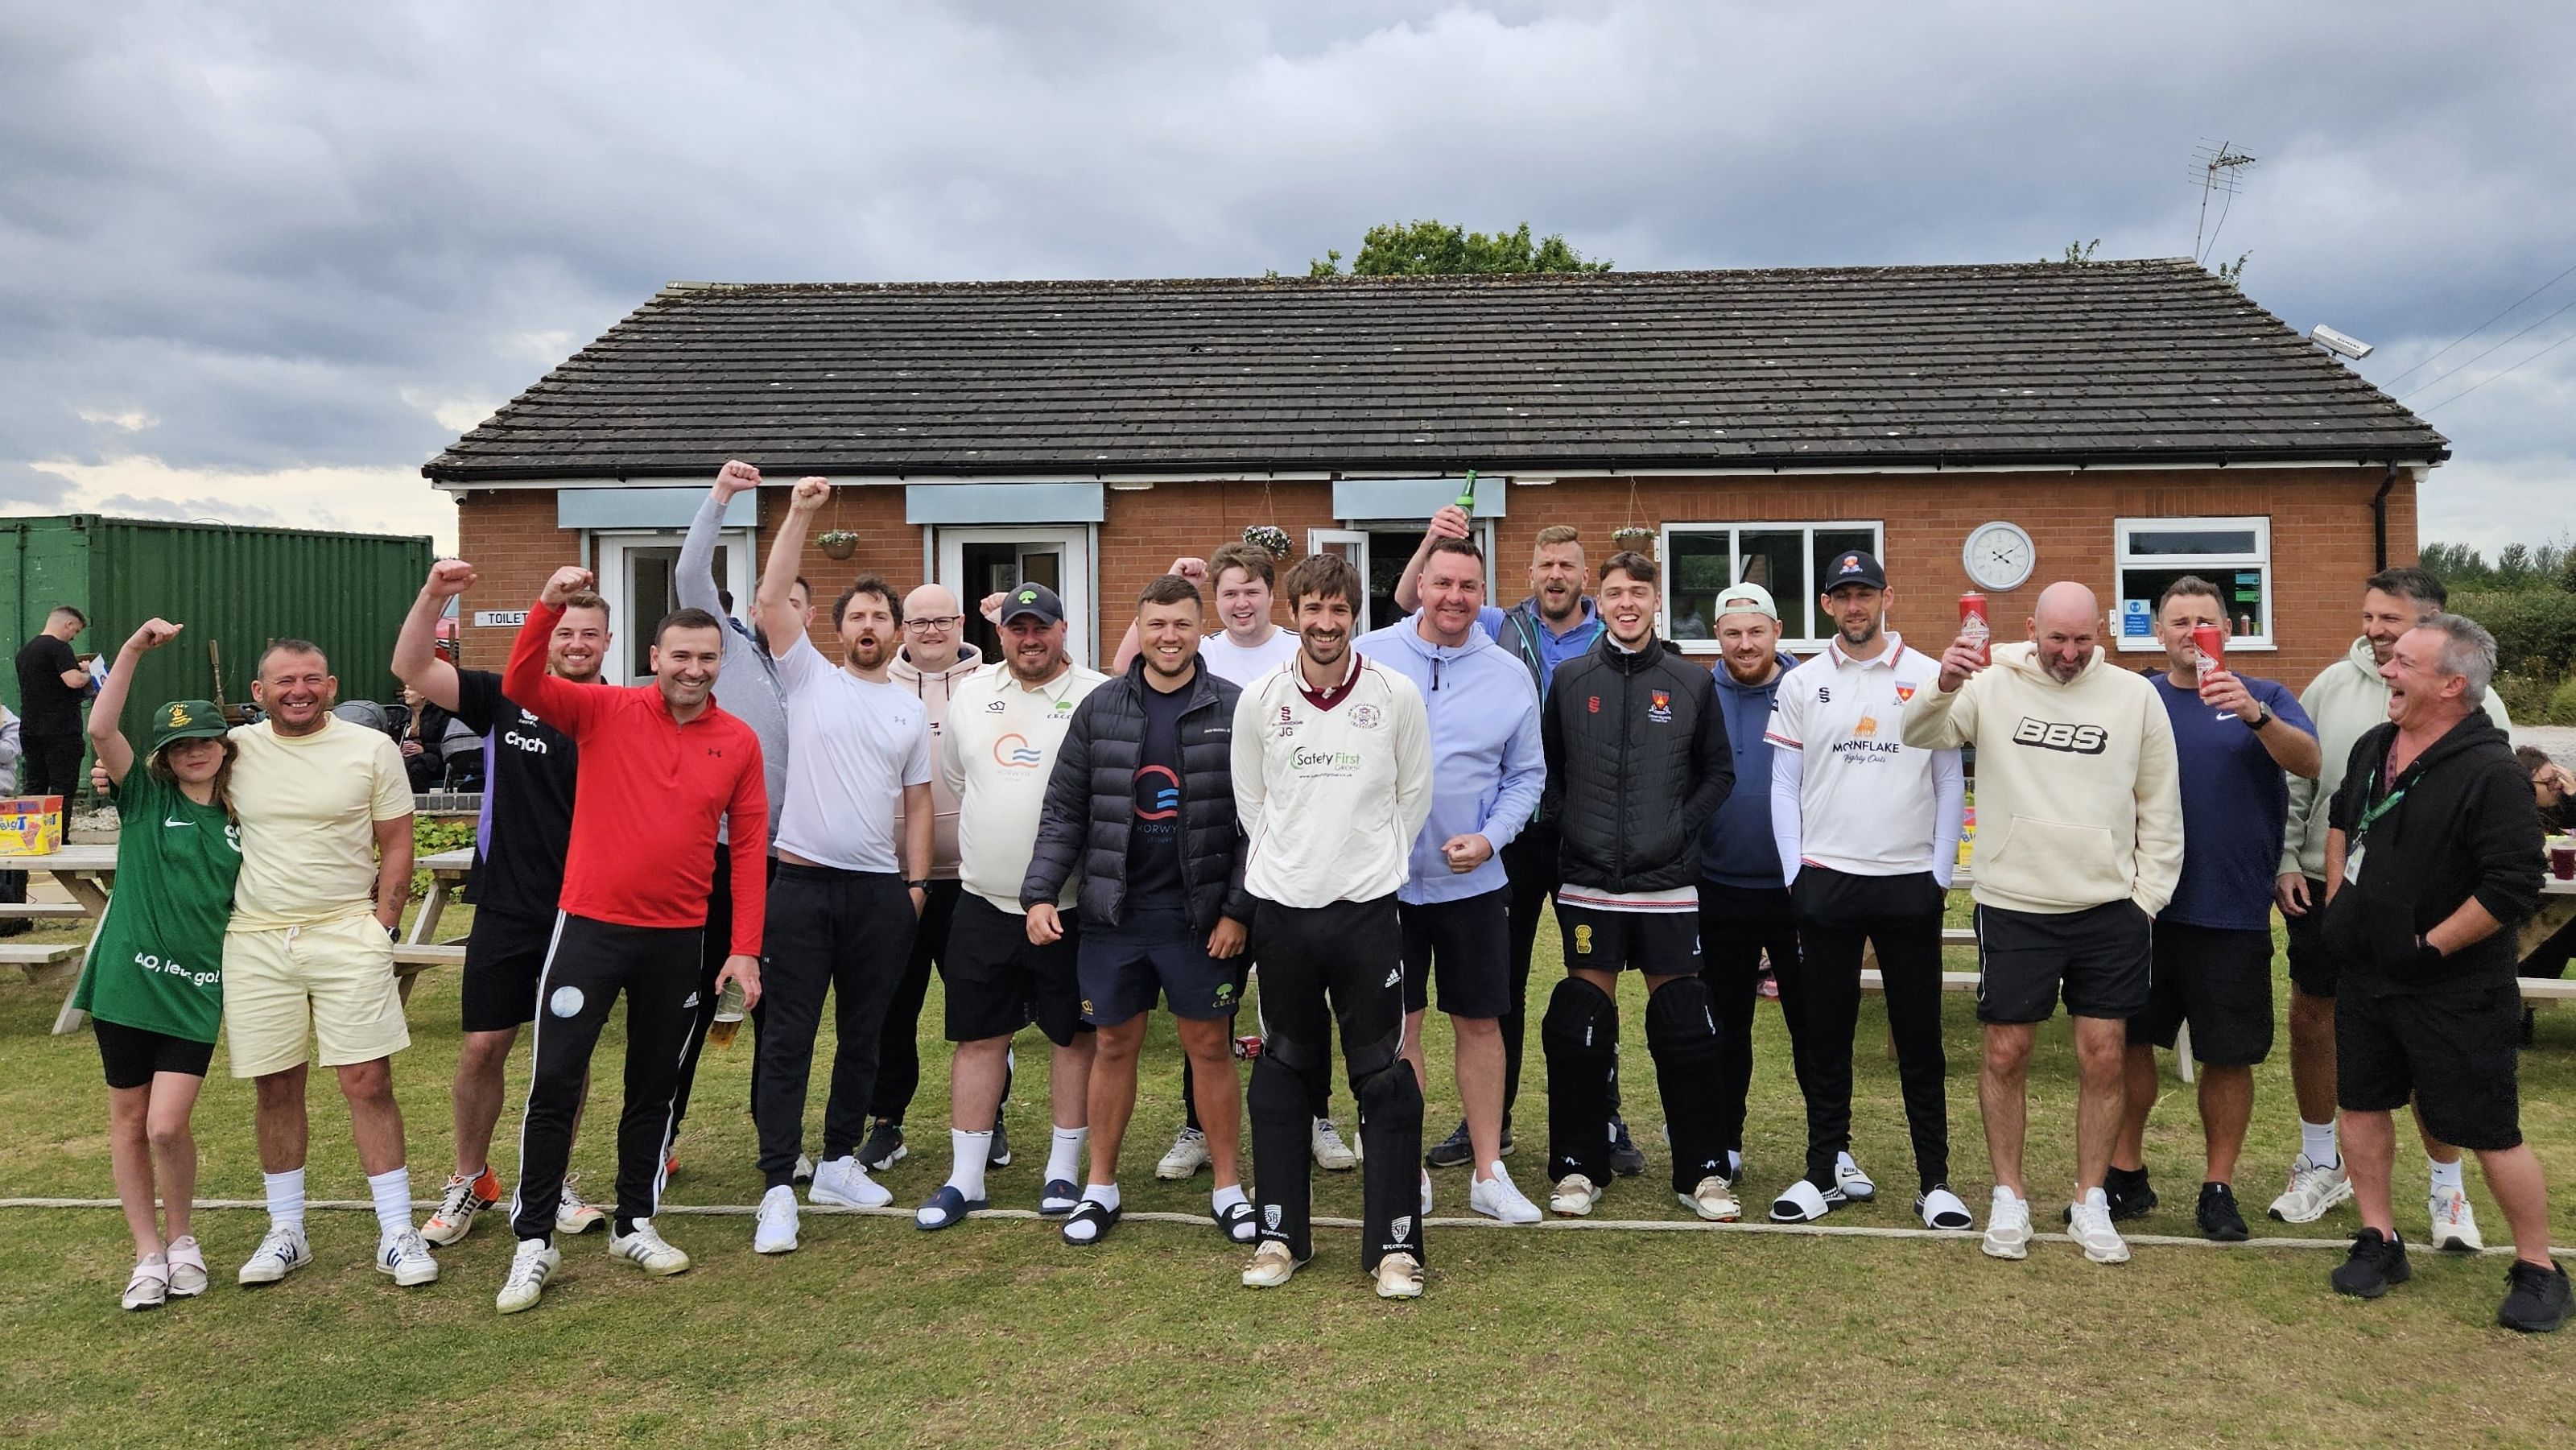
(186, 720)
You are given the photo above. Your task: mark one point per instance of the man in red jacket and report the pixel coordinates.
(660, 766)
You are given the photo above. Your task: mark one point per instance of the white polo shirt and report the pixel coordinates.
(1868, 803)
(853, 745)
(997, 749)
(1234, 664)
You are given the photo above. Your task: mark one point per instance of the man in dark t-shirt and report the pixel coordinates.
(529, 772)
(51, 686)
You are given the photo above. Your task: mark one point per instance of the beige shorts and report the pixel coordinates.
(288, 989)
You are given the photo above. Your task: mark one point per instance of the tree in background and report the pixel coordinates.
(1431, 248)
(2527, 599)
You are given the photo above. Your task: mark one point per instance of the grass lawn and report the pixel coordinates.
(996, 1333)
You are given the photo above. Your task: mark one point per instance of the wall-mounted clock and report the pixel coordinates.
(1999, 556)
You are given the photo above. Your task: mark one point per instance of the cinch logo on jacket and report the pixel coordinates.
(2074, 739)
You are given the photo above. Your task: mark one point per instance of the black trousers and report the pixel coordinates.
(899, 1040)
(717, 945)
(1530, 866)
(1737, 925)
(51, 764)
(846, 933)
(587, 967)
(1900, 918)
(1342, 963)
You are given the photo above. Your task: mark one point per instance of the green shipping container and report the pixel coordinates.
(234, 589)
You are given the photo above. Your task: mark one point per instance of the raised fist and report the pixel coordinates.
(811, 494)
(568, 581)
(1194, 570)
(733, 478)
(154, 634)
(1451, 522)
(449, 578)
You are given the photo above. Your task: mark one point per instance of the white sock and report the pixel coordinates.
(1064, 1154)
(392, 1192)
(1227, 1197)
(966, 1168)
(2317, 1140)
(1734, 1165)
(285, 1198)
(1104, 1194)
(2447, 1175)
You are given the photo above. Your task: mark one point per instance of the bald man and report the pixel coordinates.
(2079, 814)
(934, 657)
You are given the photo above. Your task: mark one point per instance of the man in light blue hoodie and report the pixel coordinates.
(1488, 768)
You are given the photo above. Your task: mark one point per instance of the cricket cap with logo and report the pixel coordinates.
(1853, 566)
(1035, 600)
(1746, 599)
(186, 720)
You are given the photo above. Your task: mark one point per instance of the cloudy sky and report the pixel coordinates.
(258, 261)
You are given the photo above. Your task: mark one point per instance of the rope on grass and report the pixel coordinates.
(1200, 1220)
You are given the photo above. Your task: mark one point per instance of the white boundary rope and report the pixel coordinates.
(1200, 1220)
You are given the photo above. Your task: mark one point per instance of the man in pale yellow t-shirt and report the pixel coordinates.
(325, 811)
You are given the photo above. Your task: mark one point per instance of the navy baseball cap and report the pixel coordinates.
(1852, 566)
(1035, 600)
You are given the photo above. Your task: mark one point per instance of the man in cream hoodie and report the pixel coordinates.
(2079, 806)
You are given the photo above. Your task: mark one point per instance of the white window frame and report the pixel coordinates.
(1351, 540)
(1078, 544)
(609, 548)
(2219, 569)
(1795, 644)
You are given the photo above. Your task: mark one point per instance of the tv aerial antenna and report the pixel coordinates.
(2219, 172)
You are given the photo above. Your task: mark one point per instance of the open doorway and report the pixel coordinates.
(978, 562)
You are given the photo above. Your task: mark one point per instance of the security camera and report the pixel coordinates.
(2341, 344)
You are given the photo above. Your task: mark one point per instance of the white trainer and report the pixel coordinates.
(187, 1267)
(1496, 1196)
(646, 1249)
(1272, 1265)
(2089, 1222)
(531, 1265)
(1188, 1155)
(2007, 1227)
(575, 1214)
(2455, 1225)
(842, 1182)
(1713, 1199)
(1574, 1196)
(804, 1170)
(1399, 1276)
(458, 1206)
(2314, 1189)
(1331, 1153)
(775, 1232)
(150, 1286)
(405, 1256)
(281, 1252)
(1855, 1184)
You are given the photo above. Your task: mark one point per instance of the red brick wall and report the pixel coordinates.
(2321, 537)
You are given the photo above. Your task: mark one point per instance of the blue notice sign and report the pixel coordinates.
(2137, 621)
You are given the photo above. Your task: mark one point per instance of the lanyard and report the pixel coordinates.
(2362, 827)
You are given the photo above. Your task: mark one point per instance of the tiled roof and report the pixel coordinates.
(2134, 362)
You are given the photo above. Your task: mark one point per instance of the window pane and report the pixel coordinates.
(1829, 542)
(2242, 589)
(1699, 570)
(651, 595)
(1776, 559)
(2145, 543)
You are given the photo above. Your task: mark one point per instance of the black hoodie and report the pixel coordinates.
(2464, 828)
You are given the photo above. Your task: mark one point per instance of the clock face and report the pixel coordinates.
(1999, 556)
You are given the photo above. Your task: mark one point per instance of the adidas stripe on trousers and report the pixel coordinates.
(588, 967)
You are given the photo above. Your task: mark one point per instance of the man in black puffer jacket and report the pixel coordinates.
(1637, 759)
(1142, 803)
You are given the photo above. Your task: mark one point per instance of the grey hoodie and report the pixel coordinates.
(751, 695)
(934, 690)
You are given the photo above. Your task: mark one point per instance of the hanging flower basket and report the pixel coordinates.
(837, 543)
(1633, 538)
(1270, 537)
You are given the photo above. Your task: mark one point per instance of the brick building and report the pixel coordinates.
(2116, 423)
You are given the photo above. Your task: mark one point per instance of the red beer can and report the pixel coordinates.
(2211, 641)
(1973, 626)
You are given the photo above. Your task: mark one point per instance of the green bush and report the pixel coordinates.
(433, 834)
(2561, 706)
(2535, 629)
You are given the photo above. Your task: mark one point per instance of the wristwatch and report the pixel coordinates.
(916, 886)
(2263, 718)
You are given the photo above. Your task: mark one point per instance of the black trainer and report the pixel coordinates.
(2536, 1300)
(1626, 1158)
(1453, 1151)
(999, 1155)
(2377, 1264)
(2130, 1195)
(884, 1146)
(2221, 1222)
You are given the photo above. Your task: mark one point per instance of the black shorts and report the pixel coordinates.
(132, 1055)
(505, 954)
(1468, 942)
(2218, 980)
(2452, 1052)
(1121, 969)
(2099, 957)
(998, 982)
(2314, 969)
(1657, 943)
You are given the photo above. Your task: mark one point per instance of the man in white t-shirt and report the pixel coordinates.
(1868, 833)
(842, 907)
(1240, 577)
(996, 752)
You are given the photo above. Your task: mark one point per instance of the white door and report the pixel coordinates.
(975, 562)
(637, 577)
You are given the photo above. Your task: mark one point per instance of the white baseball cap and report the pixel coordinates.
(1746, 599)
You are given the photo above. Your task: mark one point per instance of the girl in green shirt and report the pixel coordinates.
(153, 981)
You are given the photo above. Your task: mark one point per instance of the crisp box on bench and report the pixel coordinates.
(31, 825)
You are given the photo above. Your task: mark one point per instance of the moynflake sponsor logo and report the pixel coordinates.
(1310, 759)
(1014, 752)
(2056, 735)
